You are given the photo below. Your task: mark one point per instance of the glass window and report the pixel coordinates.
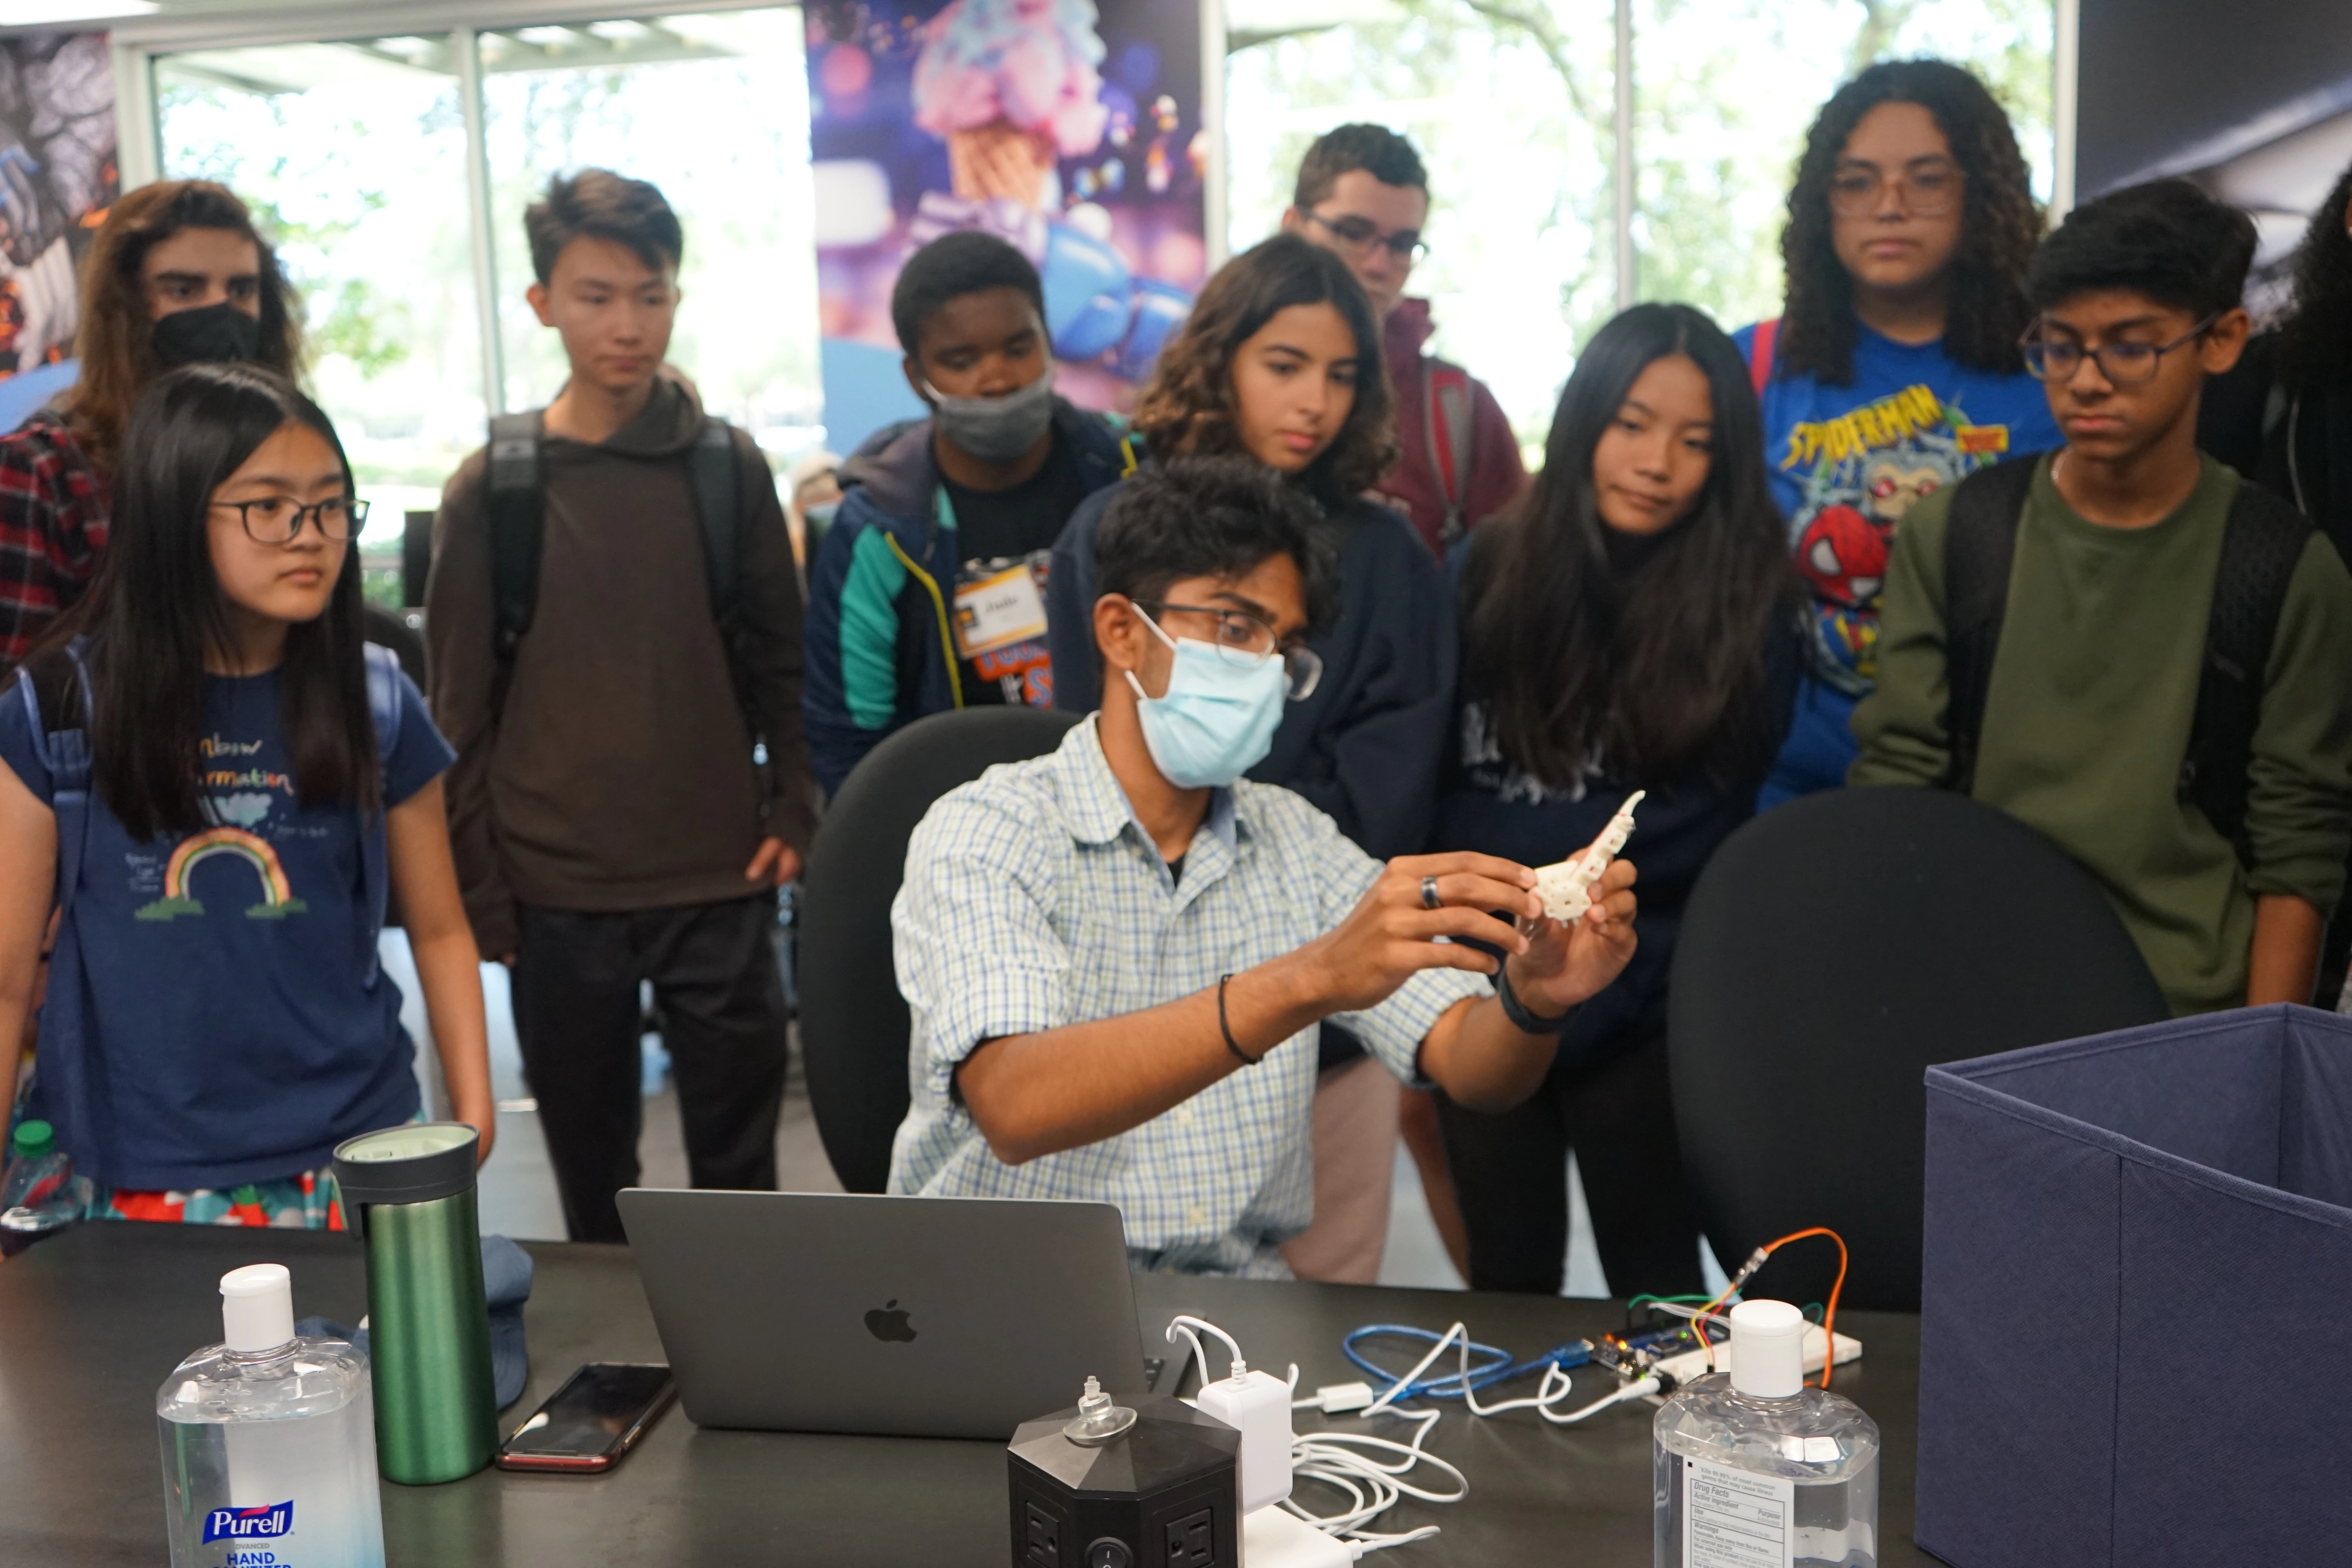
(1518, 269)
(353, 158)
(714, 110)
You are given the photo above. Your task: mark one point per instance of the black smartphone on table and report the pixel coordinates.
(595, 1418)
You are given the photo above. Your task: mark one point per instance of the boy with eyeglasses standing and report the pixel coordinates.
(1363, 195)
(1894, 370)
(2121, 645)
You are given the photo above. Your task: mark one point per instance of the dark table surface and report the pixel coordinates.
(92, 1321)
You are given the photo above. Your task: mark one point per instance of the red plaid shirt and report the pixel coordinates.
(53, 512)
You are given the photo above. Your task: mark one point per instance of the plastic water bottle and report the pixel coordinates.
(269, 1441)
(40, 1194)
(1755, 1467)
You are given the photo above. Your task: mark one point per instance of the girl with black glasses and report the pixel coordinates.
(209, 789)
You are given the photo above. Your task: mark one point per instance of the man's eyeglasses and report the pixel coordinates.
(1925, 190)
(278, 519)
(1242, 639)
(1358, 237)
(2122, 364)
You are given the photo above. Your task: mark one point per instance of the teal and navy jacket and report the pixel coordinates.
(880, 647)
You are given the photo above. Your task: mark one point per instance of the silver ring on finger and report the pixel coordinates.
(1429, 898)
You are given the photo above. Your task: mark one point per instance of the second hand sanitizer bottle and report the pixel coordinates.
(1756, 1470)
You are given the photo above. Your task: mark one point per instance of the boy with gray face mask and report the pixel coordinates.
(953, 513)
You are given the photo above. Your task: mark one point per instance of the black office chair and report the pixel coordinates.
(853, 1021)
(1835, 948)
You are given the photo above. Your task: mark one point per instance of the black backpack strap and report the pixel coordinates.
(2260, 544)
(517, 507)
(1980, 542)
(712, 461)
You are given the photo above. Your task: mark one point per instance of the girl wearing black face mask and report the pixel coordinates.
(177, 275)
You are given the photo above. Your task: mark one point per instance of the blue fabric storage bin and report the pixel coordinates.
(2138, 1259)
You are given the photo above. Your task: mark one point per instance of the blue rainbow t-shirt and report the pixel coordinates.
(230, 1001)
(1846, 462)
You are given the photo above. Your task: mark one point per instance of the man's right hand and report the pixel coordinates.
(1390, 935)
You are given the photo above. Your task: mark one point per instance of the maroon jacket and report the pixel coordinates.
(1415, 487)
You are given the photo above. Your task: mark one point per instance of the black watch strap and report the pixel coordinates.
(1514, 1009)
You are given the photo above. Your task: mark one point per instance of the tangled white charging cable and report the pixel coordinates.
(1368, 1472)
(1350, 1462)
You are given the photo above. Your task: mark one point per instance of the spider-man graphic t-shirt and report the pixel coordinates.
(1846, 463)
(235, 1020)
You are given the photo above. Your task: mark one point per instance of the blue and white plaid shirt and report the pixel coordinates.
(1033, 898)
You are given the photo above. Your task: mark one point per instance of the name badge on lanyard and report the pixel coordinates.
(997, 608)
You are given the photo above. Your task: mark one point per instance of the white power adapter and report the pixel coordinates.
(1258, 1405)
(1277, 1538)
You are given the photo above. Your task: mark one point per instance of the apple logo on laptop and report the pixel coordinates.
(888, 1322)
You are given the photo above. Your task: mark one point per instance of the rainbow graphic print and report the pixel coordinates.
(277, 900)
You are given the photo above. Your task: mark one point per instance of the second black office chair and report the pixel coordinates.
(1835, 948)
(854, 1023)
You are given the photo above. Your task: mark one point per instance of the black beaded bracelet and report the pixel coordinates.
(1226, 1029)
(1514, 1009)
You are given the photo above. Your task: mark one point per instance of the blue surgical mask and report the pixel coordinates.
(1218, 719)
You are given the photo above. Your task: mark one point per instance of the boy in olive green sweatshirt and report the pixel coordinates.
(2082, 724)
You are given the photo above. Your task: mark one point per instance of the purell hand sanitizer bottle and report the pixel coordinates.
(1757, 1470)
(269, 1442)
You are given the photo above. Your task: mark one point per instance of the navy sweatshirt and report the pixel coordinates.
(1369, 746)
(1490, 804)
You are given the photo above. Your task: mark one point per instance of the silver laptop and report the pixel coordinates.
(901, 1316)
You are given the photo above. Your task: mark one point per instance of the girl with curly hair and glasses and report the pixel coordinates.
(1894, 369)
(1280, 362)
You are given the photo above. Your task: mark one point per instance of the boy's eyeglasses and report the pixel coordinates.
(1358, 237)
(2122, 364)
(1928, 191)
(1243, 639)
(278, 519)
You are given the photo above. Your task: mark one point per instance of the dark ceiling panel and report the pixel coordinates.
(2171, 85)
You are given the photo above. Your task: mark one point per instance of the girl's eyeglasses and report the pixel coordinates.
(278, 519)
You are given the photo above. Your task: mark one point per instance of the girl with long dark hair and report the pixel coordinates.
(2282, 416)
(1280, 361)
(1895, 369)
(1632, 625)
(176, 275)
(258, 784)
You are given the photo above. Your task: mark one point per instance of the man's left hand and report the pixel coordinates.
(773, 864)
(1565, 966)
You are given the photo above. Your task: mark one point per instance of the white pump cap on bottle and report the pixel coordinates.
(1768, 1349)
(257, 1307)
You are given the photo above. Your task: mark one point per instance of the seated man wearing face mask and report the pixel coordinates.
(176, 275)
(927, 592)
(1118, 957)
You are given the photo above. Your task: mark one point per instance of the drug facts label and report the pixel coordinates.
(1736, 1519)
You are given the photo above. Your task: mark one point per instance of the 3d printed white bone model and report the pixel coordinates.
(1566, 888)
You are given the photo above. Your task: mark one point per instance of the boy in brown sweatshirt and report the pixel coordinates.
(609, 822)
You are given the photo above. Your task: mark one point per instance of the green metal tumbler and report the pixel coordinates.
(411, 1192)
